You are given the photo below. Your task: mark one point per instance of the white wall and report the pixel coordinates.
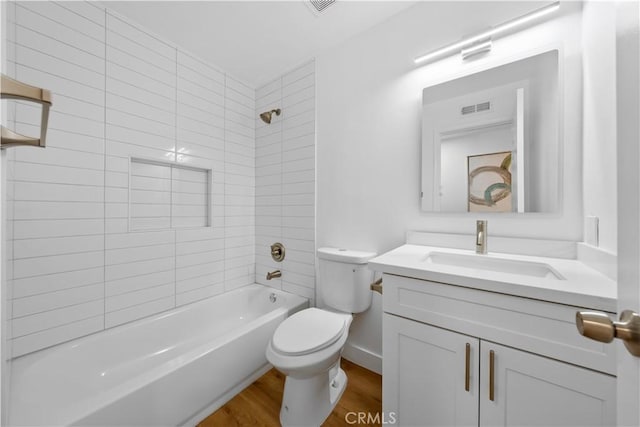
(369, 110)
(599, 126)
(285, 180)
(118, 92)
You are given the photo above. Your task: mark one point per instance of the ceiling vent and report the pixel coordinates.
(319, 6)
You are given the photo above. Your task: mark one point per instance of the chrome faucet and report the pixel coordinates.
(481, 237)
(274, 274)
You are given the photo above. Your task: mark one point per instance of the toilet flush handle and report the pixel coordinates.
(377, 286)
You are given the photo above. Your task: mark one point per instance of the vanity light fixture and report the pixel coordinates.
(483, 39)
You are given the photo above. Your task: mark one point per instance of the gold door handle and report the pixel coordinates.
(467, 366)
(599, 327)
(492, 385)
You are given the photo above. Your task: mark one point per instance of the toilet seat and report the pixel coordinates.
(308, 331)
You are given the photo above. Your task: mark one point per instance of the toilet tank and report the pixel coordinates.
(344, 279)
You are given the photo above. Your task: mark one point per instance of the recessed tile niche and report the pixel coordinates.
(167, 195)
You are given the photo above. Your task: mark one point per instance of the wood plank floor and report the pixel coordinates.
(259, 404)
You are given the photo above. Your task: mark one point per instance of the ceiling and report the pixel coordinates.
(256, 41)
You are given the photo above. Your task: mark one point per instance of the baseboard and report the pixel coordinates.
(218, 403)
(363, 357)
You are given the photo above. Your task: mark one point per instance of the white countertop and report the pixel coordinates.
(583, 286)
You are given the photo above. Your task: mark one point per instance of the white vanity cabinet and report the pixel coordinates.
(460, 356)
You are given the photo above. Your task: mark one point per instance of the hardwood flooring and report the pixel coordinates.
(259, 404)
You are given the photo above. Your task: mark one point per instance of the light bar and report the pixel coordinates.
(505, 26)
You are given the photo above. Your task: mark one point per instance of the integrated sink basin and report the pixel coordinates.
(498, 265)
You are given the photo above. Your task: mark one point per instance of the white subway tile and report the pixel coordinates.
(53, 318)
(119, 26)
(299, 222)
(298, 245)
(134, 298)
(298, 211)
(41, 266)
(275, 86)
(296, 97)
(139, 311)
(120, 271)
(34, 17)
(56, 246)
(136, 283)
(140, 253)
(135, 49)
(236, 86)
(298, 73)
(198, 270)
(208, 280)
(31, 38)
(188, 297)
(32, 172)
(55, 300)
(29, 210)
(54, 282)
(298, 199)
(298, 85)
(118, 86)
(60, 67)
(204, 69)
(64, 17)
(57, 228)
(294, 288)
(57, 335)
(43, 191)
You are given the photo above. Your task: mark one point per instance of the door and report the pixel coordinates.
(628, 134)
(564, 395)
(430, 375)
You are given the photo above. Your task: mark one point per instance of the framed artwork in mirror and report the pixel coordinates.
(489, 182)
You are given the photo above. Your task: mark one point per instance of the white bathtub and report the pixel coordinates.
(167, 370)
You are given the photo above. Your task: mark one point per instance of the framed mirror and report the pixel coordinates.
(490, 140)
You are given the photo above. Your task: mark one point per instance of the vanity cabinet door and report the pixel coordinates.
(425, 375)
(533, 390)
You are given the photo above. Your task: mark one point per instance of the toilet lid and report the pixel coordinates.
(308, 331)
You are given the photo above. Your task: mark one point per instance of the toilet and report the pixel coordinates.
(306, 347)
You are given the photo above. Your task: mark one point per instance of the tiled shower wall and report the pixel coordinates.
(285, 181)
(74, 266)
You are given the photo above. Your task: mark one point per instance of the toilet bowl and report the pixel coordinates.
(307, 350)
(307, 346)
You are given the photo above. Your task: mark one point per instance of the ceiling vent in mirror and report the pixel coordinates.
(470, 109)
(483, 106)
(319, 6)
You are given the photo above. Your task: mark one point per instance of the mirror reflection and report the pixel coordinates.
(490, 140)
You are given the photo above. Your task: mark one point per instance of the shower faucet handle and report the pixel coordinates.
(277, 252)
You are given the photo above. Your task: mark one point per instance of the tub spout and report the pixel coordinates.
(274, 274)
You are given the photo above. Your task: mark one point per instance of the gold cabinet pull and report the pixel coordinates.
(467, 366)
(492, 362)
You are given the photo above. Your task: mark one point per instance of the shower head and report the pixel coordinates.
(266, 116)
